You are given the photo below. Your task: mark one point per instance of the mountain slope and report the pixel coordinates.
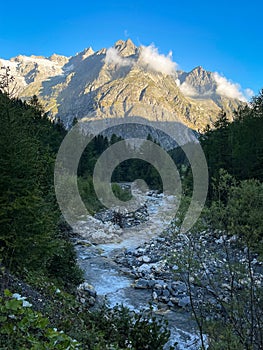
(124, 80)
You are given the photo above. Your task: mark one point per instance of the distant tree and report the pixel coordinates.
(8, 85)
(34, 102)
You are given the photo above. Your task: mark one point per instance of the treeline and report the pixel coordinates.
(132, 169)
(237, 147)
(31, 239)
(234, 153)
(127, 171)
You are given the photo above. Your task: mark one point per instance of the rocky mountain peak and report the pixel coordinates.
(61, 60)
(85, 53)
(198, 82)
(85, 85)
(198, 69)
(101, 52)
(125, 48)
(37, 57)
(199, 72)
(18, 58)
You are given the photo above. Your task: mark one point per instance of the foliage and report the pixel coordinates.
(226, 299)
(7, 82)
(122, 194)
(29, 214)
(23, 328)
(88, 194)
(105, 328)
(238, 209)
(127, 171)
(101, 328)
(63, 268)
(236, 147)
(125, 329)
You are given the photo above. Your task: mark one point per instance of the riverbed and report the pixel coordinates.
(115, 282)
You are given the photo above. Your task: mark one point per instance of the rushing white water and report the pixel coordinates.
(112, 282)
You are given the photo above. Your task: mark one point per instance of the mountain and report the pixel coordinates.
(123, 80)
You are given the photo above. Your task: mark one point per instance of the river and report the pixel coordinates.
(115, 282)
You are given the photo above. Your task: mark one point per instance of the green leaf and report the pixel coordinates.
(13, 304)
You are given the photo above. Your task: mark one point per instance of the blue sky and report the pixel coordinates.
(223, 36)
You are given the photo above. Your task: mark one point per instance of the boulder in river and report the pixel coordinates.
(86, 289)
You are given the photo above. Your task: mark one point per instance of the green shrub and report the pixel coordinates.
(23, 328)
(122, 194)
(238, 209)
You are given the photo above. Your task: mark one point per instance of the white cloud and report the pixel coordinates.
(188, 90)
(227, 88)
(249, 93)
(151, 58)
(113, 57)
(177, 81)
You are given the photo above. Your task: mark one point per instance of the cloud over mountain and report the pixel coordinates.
(187, 89)
(113, 57)
(92, 83)
(229, 89)
(152, 59)
(149, 57)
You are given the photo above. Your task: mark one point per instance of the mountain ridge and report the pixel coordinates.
(123, 80)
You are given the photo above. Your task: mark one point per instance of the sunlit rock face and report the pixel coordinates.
(124, 80)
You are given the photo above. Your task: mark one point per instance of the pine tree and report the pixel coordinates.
(29, 216)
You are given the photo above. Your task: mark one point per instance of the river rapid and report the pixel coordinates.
(99, 245)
